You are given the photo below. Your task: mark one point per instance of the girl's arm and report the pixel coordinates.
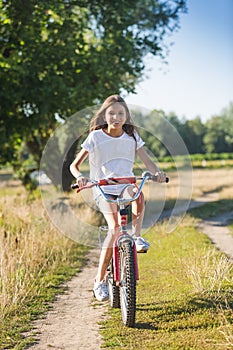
(150, 165)
(75, 165)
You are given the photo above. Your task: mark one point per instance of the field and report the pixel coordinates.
(185, 302)
(184, 296)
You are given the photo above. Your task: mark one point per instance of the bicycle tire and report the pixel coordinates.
(114, 293)
(127, 284)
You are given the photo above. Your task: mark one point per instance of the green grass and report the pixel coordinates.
(173, 311)
(230, 226)
(212, 209)
(17, 320)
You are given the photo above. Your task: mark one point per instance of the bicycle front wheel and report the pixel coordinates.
(127, 284)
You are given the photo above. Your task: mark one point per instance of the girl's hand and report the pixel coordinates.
(81, 181)
(161, 176)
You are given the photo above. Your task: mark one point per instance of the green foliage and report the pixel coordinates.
(218, 137)
(200, 157)
(212, 140)
(192, 132)
(160, 133)
(58, 57)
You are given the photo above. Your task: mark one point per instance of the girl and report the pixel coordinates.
(111, 146)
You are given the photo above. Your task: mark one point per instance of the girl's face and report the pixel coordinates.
(115, 116)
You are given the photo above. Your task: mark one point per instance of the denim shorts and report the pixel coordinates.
(107, 195)
(112, 196)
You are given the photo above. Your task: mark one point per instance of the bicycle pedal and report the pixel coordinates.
(142, 251)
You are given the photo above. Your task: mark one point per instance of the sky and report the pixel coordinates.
(198, 79)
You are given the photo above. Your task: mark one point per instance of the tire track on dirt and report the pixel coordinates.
(72, 324)
(216, 229)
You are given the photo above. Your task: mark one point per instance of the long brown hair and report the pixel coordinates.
(98, 121)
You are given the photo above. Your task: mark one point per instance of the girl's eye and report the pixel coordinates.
(121, 114)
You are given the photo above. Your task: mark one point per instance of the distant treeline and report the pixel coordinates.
(211, 137)
(201, 157)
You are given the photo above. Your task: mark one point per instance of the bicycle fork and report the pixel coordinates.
(123, 237)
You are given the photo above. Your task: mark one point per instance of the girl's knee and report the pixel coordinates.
(141, 198)
(138, 206)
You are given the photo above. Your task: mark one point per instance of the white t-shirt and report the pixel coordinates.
(111, 156)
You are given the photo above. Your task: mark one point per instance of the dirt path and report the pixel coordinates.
(73, 322)
(216, 229)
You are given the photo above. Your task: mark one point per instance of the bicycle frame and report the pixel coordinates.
(123, 211)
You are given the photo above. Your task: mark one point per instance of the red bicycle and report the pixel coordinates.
(122, 274)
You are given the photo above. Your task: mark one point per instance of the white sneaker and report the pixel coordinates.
(100, 291)
(142, 245)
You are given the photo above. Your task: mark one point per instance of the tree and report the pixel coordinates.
(218, 137)
(227, 114)
(192, 131)
(161, 132)
(58, 57)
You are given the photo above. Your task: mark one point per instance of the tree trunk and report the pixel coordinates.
(67, 177)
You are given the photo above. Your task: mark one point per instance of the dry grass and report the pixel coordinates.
(201, 185)
(83, 205)
(207, 271)
(31, 250)
(220, 180)
(204, 181)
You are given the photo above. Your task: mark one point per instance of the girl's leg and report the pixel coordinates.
(138, 214)
(109, 211)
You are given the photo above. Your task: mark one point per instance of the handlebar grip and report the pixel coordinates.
(74, 186)
(155, 178)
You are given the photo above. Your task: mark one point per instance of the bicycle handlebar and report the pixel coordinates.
(119, 180)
